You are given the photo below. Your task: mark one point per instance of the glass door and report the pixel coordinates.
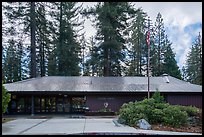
(53, 104)
(66, 105)
(27, 104)
(37, 105)
(60, 105)
(20, 105)
(43, 105)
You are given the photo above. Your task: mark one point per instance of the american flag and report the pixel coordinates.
(148, 38)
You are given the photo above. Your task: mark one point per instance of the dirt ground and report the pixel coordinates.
(190, 129)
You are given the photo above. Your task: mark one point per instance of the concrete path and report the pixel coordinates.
(63, 126)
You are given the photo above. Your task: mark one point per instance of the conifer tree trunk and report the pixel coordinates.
(60, 40)
(33, 46)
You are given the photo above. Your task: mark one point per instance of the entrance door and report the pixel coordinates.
(60, 105)
(66, 105)
(43, 105)
(50, 104)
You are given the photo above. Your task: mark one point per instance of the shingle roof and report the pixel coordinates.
(102, 84)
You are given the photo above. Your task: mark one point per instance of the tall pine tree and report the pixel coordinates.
(25, 14)
(157, 50)
(170, 64)
(138, 49)
(93, 65)
(67, 47)
(111, 22)
(194, 62)
(13, 52)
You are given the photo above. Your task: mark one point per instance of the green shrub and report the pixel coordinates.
(6, 97)
(161, 105)
(156, 116)
(146, 101)
(173, 116)
(190, 110)
(140, 112)
(155, 111)
(132, 112)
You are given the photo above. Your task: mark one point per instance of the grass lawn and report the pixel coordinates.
(4, 120)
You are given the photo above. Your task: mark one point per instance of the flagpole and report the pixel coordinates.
(148, 64)
(148, 71)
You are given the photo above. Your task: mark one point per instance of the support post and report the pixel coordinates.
(148, 64)
(148, 73)
(32, 107)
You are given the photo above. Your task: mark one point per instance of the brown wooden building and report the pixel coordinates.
(63, 94)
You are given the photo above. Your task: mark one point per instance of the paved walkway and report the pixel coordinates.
(80, 125)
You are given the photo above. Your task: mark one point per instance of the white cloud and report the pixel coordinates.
(181, 42)
(177, 16)
(184, 13)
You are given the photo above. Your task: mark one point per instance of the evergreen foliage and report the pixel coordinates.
(193, 68)
(111, 22)
(156, 111)
(5, 99)
(118, 49)
(170, 64)
(67, 47)
(138, 51)
(40, 37)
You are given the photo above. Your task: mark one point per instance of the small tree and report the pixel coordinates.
(5, 99)
(158, 98)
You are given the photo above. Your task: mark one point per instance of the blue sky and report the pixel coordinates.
(182, 21)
